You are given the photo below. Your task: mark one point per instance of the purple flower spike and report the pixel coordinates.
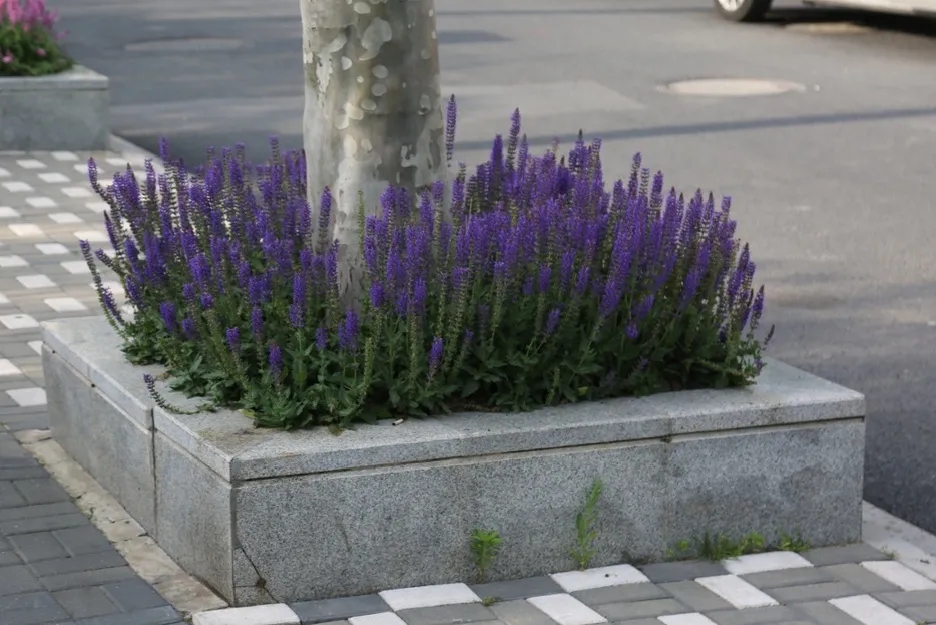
(632, 332)
(188, 328)
(347, 333)
(167, 311)
(552, 322)
(232, 335)
(321, 339)
(276, 360)
(206, 301)
(256, 322)
(435, 355)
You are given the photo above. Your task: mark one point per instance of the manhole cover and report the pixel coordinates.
(187, 44)
(732, 87)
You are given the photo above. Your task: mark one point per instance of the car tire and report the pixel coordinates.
(743, 10)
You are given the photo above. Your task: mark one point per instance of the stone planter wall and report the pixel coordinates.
(66, 111)
(267, 516)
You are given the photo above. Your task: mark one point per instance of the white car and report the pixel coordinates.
(754, 10)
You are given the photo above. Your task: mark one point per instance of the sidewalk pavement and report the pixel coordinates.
(56, 567)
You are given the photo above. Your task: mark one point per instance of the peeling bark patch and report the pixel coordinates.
(380, 71)
(369, 105)
(377, 34)
(425, 103)
(379, 89)
(362, 7)
(425, 54)
(346, 63)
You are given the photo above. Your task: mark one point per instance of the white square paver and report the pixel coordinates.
(692, 618)
(97, 207)
(28, 397)
(12, 261)
(15, 186)
(64, 156)
(38, 281)
(36, 346)
(18, 322)
(737, 592)
(53, 177)
(26, 230)
(8, 368)
(65, 218)
(899, 575)
(8, 212)
(41, 202)
(31, 163)
(4, 173)
(52, 248)
(64, 304)
(566, 610)
(383, 618)
(274, 614)
(868, 610)
(573, 581)
(92, 236)
(4, 300)
(763, 562)
(77, 192)
(429, 596)
(76, 267)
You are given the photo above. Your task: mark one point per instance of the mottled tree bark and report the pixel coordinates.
(373, 108)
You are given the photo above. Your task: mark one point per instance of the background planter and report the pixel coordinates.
(266, 515)
(66, 111)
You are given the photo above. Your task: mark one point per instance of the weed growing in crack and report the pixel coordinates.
(584, 527)
(484, 547)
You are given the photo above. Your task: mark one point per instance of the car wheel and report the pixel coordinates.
(743, 10)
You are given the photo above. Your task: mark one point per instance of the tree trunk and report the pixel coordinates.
(373, 109)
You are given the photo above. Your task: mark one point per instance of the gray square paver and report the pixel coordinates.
(813, 592)
(15, 580)
(326, 610)
(789, 577)
(134, 594)
(520, 612)
(755, 616)
(9, 496)
(695, 596)
(80, 540)
(824, 613)
(682, 571)
(860, 578)
(846, 554)
(86, 602)
(920, 613)
(9, 558)
(640, 609)
(87, 562)
(38, 546)
(907, 598)
(518, 588)
(620, 594)
(87, 578)
(448, 614)
(151, 616)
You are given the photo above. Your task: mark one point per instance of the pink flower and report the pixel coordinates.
(7, 58)
(41, 52)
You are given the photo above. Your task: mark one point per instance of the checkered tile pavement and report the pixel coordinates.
(55, 566)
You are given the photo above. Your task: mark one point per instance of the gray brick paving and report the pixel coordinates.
(696, 597)
(920, 614)
(39, 546)
(825, 613)
(860, 552)
(79, 540)
(620, 594)
(448, 615)
(682, 571)
(520, 613)
(860, 578)
(789, 577)
(518, 588)
(639, 609)
(902, 599)
(313, 612)
(813, 592)
(86, 602)
(755, 616)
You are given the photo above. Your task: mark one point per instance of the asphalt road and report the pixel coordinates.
(833, 186)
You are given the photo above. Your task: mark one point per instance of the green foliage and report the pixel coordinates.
(720, 547)
(29, 45)
(484, 547)
(585, 532)
(796, 544)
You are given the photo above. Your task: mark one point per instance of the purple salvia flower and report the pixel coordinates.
(552, 322)
(189, 328)
(347, 333)
(256, 322)
(232, 335)
(528, 285)
(544, 274)
(376, 294)
(206, 301)
(325, 207)
(331, 267)
(275, 360)
(438, 192)
(321, 339)
(632, 331)
(167, 311)
(419, 295)
(644, 307)
(581, 281)
(435, 355)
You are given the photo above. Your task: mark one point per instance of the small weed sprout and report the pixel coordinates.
(484, 547)
(584, 527)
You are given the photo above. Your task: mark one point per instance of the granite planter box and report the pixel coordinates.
(66, 111)
(266, 515)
